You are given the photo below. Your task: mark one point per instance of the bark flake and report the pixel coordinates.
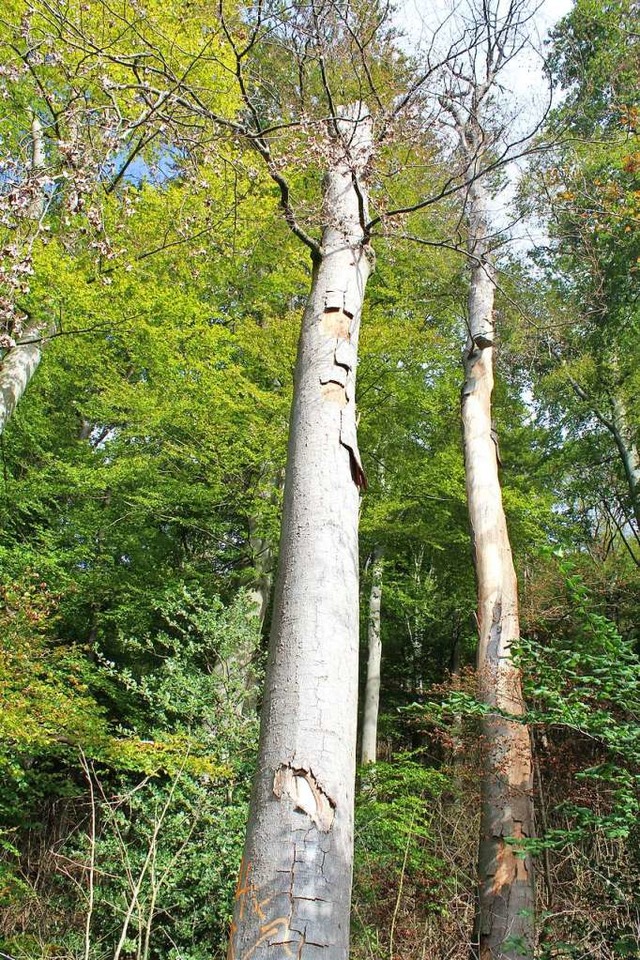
(349, 439)
(301, 786)
(483, 341)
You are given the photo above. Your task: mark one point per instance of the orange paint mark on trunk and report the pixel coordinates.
(511, 868)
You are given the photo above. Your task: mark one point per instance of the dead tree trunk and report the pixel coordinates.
(505, 920)
(369, 751)
(293, 896)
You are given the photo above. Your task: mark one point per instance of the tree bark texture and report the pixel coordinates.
(293, 895)
(505, 921)
(369, 752)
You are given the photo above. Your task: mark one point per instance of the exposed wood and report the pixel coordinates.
(505, 926)
(293, 897)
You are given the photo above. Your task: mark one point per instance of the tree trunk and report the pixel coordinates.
(629, 455)
(17, 368)
(19, 364)
(505, 920)
(262, 555)
(369, 753)
(293, 896)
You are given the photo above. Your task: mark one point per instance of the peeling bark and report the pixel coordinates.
(293, 896)
(369, 752)
(505, 921)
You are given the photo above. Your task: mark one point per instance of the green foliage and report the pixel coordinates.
(159, 811)
(392, 818)
(587, 680)
(141, 479)
(402, 881)
(595, 57)
(48, 710)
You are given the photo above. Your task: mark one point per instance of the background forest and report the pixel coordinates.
(152, 284)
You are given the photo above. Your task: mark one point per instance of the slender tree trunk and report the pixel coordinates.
(259, 591)
(19, 364)
(293, 896)
(262, 554)
(369, 753)
(505, 921)
(629, 455)
(618, 426)
(259, 595)
(17, 368)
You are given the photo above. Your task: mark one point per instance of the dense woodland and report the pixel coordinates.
(192, 194)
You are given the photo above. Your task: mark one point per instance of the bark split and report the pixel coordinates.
(505, 927)
(293, 898)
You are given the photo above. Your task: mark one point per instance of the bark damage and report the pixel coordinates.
(505, 926)
(294, 896)
(337, 380)
(300, 786)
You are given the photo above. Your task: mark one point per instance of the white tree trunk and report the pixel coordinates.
(19, 364)
(293, 896)
(17, 368)
(505, 921)
(369, 752)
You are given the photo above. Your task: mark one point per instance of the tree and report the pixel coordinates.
(586, 191)
(505, 920)
(369, 750)
(20, 360)
(341, 55)
(295, 881)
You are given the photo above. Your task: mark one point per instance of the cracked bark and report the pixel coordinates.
(369, 752)
(293, 896)
(505, 918)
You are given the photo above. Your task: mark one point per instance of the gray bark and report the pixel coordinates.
(505, 926)
(369, 752)
(293, 896)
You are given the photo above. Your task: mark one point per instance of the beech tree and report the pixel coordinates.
(505, 925)
(586, 190)
(21, 342)
(284, 75)
(369, 750)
